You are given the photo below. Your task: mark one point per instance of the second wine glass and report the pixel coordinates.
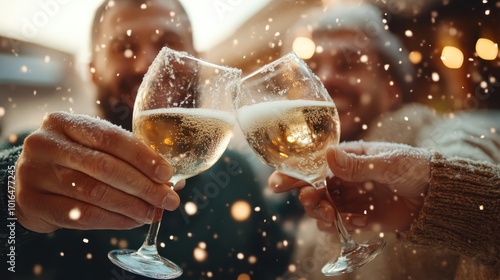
(183, 110)
(290, 120)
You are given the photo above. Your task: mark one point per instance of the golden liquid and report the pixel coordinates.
(293, 135)
(191, 140)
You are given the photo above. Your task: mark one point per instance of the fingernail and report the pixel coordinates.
(151, 215)
(304, 201)
(162, 172)
(340, 158)
(359, 221)
(276, 181)
(170, 202)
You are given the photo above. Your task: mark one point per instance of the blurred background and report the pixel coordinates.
(44, 51)
(44, 48)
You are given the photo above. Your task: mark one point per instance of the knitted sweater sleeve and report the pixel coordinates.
(462, 210)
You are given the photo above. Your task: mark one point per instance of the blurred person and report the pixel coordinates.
(115, 181)
(453, 202)
(366, 70)
(363, 67)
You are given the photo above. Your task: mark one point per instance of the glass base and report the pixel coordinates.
(351, 260)
(154, 266)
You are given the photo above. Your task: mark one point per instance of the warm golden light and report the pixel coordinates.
(252, 259)
(74, 214)
(200, 254)
(244, 276)
(241, 210)
(37, 269)
(12, 138)
(303, 47)
(452, 57)
(191, 208)
(123, 243)
(486, 49)
(415, 57)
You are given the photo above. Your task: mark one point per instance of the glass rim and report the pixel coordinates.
(288, 56)
(166, 50)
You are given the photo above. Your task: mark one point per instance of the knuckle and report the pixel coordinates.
(33, 141)
(101, 137)
(42, 142)
(143, 156)
(99, 164)
(106, 135)
(93, 192)
(99, 193)
(86, 214)
(150, 191)
(53, 118)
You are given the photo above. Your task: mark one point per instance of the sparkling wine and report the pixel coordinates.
(191, 140)
(292, 135)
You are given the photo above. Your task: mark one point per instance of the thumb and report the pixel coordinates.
(357, 168)
(402, 169)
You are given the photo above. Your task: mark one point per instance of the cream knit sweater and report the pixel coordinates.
(457, 234)
(462, 212)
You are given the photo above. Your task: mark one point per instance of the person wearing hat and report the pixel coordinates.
(366, 70)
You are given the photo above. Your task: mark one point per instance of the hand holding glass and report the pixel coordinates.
(290, 120)
(183, 110)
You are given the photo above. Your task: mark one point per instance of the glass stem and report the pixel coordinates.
(348, 244)
(149, 248)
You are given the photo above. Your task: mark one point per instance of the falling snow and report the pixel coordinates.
(471, 70)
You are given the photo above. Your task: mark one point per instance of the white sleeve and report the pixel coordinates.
(474, 135)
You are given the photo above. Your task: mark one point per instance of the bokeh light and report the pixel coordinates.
(74, 214)
(243, 276)
(252, 259)
(37, 269)
(415, 57)
(200, 253)
(241, 210)
(303, 47)
(452, 57)
(435, 77)
(486, 49)
(191, 208)
(12, 138)
(123, 243)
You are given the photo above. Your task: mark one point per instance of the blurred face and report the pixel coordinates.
(355, 79)
(129, 38)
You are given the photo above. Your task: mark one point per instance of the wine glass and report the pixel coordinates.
(183, 110)
(290, 120)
